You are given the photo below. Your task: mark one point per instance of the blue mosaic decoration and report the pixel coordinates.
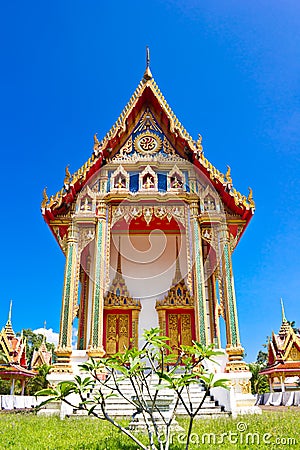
(186, 185)
(232, 320)
(97, 291)
(162, 182)
(134, 182)
(67, 295)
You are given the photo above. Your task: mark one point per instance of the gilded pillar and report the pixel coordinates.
(199, 282)
(233, 348)
(69, 299)
(95, 347)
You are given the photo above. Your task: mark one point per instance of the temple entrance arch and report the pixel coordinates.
(120, 315)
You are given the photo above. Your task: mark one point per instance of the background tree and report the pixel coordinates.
(259, 383)
(38, 382)
(262, 358)
(293, 325)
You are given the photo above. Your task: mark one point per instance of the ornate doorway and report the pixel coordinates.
(176, 313)
(120, 315)
(176, 316)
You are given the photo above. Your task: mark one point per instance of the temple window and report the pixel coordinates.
(119, 179)
(86, 204)
(176, 179)
(209, 203)
(148, 180)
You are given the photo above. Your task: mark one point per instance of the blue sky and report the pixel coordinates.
(229, 69)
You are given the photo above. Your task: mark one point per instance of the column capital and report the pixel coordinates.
(224, 233)
(72, 232)
(194, 208)
(101, 209)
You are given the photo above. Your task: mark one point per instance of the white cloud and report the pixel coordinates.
(51, 336)
(74, 337)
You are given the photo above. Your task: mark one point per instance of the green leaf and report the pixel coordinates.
(222, 382)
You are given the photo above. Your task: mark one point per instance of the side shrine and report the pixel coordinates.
(283, 364)
(148, 226)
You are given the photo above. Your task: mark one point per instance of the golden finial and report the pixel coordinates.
(45, 198)
(96, 142)
(282, 311)
(67, 176)
(147, 73)
(250, 197)
(51, 201)
(228, 175)
(199, 145)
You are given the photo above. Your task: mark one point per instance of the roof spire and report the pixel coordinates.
(44, 337)
(8, 327)
(147, 73)
(147, 56)
(119, 267)
(282, 311)
(9, 312)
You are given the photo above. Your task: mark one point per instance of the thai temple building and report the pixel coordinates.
(148, 227)
(283, 367)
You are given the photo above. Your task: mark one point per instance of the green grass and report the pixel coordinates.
(29, 432)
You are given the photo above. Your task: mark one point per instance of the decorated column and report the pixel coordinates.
(95, 347)
(70, 293)
(233, 348)
(199, 284)
(83, 310)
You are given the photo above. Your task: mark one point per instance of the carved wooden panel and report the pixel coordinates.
(173, 330)
(118, 333)
(123, 332)
(111, 333)
(180, 326)
(186, 329)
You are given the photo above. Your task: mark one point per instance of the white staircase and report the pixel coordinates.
(117, 406)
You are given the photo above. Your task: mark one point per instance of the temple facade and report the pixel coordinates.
(148, 226)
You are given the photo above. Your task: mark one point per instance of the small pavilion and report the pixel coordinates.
(283, 366)
(13, 362)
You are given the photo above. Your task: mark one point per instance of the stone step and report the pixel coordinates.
(119, 407)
